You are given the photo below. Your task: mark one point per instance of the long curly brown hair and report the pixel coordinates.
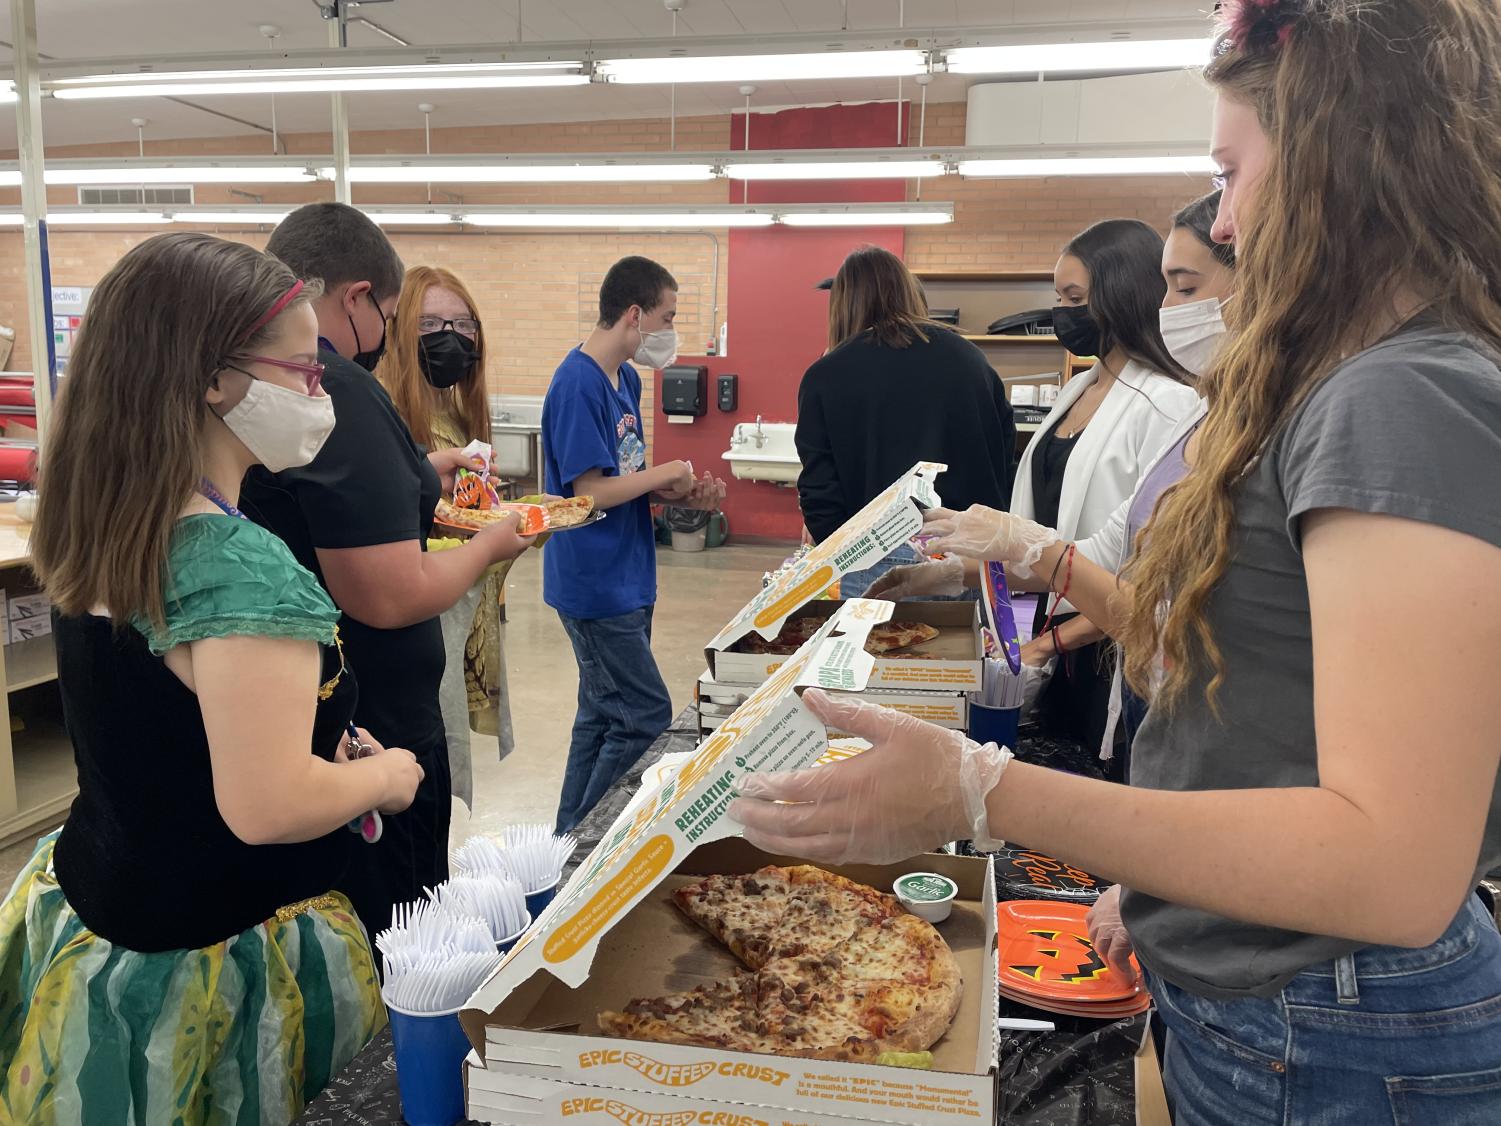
(1384, 181)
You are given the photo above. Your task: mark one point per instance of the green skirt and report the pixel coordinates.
(246, 1031)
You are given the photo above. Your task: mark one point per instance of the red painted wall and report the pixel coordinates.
(778, 323)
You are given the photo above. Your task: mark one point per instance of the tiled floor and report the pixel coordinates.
(698, 593)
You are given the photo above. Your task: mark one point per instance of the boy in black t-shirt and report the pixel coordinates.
(358, 517)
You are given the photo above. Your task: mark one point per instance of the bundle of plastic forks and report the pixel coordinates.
(496, 898)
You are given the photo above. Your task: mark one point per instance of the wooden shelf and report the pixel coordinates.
(46, 781)
(983, 275)
(30, 662)
(1053, 340)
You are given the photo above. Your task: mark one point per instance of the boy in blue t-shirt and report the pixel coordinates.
(602, 579)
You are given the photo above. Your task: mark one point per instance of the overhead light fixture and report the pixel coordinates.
(127, 171)
(104, 218)
(1088, 166)
(413, 218)
(183, 174)
(507, 173)
(11, 219)
(833, 170)
(765, 68)
(320, 80)
(915, 215)
(640, 218)
(1119, 55)
(231, 218)
(7, 91)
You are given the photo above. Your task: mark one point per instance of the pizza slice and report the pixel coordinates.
(824, 910)
(888, 637)
(725, 1014)
(825, 1014)
(741, 911)
(793, 635)
(568, 512)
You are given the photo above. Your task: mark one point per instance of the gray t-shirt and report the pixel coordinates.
(1409, 428)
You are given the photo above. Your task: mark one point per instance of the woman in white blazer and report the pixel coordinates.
(1107, 429)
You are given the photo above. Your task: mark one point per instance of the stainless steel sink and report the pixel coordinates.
(516, 422)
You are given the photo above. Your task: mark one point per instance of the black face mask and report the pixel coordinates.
(1078, 331)
(368, 360)
(445, 357)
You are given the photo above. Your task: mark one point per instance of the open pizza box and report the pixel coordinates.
(950, 663)
(613, 934)
(717, 702)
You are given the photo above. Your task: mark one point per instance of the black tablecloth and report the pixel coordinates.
(1081, 1074)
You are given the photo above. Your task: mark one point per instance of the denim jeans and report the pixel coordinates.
(1384, 1035)
(856, 583)
(622, 707)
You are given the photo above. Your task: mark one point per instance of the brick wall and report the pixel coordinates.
(535, 291)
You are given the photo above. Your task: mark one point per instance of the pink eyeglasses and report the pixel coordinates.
(312, 373)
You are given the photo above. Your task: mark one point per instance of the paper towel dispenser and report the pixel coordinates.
(685, 390)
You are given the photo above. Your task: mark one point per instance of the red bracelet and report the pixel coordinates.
(1059, 649)
(1068, 578)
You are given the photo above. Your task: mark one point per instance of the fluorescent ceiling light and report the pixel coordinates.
(525, 173)
(247, 218)
(7, 91)
(104, 218)
(412, 218)
(1088, 166)
(314, 80)
(1035, 58)
(182, 174)
(765, 68)
(11, 219)
(625, 218)
(835, 170)
(866, 218)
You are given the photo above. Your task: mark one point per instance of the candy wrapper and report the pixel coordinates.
(472, 489)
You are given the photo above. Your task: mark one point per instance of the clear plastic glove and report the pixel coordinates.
(984, 533)
(918, 787)
(919, 580)
(1034, 679)
(1109, 935)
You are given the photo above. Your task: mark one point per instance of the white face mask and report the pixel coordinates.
(658, 349)
(1193, 332)
(284, 429)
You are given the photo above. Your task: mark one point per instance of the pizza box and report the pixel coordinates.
(546, 1031)
(612, 934)
(518, 1100)
(952, 661)
(883, 525)
(717, 702)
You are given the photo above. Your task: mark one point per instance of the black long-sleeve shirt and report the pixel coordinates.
(867, 413)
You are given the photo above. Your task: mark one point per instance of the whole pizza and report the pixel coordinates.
(884, 639)
(833, 970)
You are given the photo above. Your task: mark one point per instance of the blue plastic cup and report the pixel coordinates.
(994, 725)
(537, 901)
(430, 1051)
(505, 944)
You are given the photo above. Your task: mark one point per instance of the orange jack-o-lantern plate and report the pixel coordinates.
(1108, 1010)
(1046, 954)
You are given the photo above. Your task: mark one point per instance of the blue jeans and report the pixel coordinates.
(856, 583)
(622, 707)
(1384, 1035)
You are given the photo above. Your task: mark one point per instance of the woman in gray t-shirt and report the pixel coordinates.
(1315, 789)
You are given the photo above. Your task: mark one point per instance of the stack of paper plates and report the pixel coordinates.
(1022, 873)
(1048, 962)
